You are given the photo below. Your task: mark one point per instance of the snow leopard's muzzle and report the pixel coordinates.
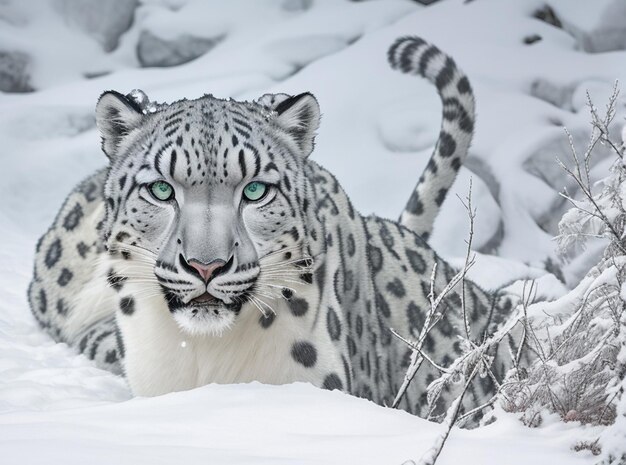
(207, 268)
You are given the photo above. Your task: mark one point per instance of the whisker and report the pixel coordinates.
(278, 286)
(281, 275)
(269, 307)
(292, 270)
(257, 292)
(304, 257)
(287, 280)
(266, 305)
(133, 248)
(255, 301)
(282, 266)
(281, 251)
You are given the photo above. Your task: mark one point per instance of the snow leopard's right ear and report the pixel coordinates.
(298, 116)
(116, 117)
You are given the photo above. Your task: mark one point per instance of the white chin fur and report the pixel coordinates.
(204, 322)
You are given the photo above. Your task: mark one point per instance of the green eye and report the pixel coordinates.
(255, 191)
(162, 190)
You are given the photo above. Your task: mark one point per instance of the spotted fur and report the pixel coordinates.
(307, 289)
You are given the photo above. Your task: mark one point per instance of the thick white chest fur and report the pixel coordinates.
(160, 357)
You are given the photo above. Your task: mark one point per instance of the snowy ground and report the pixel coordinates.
(377, 132)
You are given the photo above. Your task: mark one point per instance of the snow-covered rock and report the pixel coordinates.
(155, 51)
(105, 21)
(14, 71)
(296, 5)
(604, 31)
(557, 95)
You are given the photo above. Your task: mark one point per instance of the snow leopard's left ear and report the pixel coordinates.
(298, 116)
(116, 116)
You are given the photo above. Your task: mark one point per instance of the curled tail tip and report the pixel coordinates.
(414, 55)
(397, 51)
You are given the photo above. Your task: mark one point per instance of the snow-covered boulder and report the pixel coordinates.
(152, 50)
(105, 21)
(296, 5)
(14, 71)
(557, 95)
(605, 31)
(610, 33)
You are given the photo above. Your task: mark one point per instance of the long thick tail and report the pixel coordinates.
(413, 55)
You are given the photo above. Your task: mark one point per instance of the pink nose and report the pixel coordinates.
(207, 271)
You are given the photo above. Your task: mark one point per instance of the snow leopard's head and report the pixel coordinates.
(205, 200)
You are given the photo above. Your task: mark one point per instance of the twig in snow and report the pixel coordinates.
(471, 213)
(431, 455)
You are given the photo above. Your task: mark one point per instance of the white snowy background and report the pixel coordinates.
(378, 130)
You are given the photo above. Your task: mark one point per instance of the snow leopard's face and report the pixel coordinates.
(204, 200)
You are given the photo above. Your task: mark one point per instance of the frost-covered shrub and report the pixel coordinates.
(577, 344)
(575, 350)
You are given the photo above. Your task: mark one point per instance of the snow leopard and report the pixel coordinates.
(213, 249)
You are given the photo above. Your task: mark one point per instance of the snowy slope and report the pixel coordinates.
(257, 424)
(377, 132)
